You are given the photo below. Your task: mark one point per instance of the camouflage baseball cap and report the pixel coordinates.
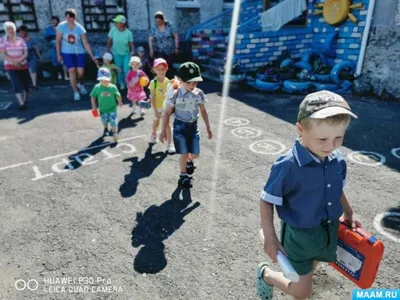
(190, 72)
(323, 104)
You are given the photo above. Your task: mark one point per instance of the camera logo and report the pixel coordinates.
(31, 285)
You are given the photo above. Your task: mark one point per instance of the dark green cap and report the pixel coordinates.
(190, 72)
(323, 104)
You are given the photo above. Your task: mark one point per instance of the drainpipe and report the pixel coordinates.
(365, 37)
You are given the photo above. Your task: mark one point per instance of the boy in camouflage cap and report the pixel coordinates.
(306, 187)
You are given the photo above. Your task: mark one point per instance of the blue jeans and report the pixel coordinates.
(186, 137)
(122, 62)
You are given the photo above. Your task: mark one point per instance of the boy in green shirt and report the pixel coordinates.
(107, 96)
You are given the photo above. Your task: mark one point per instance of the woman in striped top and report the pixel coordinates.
(14, 51)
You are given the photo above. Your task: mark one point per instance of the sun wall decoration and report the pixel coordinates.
(337, 11)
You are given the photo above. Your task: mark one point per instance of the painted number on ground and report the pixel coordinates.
(5, 105)
(81, 159)
(236, 122)
(367, 158)
(396, 152)
(246, 132)
(267, 147)
(395, 221)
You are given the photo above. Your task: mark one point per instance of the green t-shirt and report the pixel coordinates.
(106, 96)
(113, 71)
(120, 41)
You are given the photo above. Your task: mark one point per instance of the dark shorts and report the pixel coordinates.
(73, 60)
(304, 246)
(20, 80)
(186, 137)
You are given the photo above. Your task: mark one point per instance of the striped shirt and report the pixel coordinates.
(14, 49)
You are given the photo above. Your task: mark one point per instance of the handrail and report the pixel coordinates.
(198, 26)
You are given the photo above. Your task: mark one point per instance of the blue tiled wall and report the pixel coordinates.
(254, 49)
(347, 45)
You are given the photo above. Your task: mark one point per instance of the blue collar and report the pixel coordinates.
(304, 157)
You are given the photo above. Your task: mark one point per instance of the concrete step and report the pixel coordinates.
(217, 61)
(212, 77)
(214, 68)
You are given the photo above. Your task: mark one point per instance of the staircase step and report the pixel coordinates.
(212, 77)
(217, 61)
(211, 67)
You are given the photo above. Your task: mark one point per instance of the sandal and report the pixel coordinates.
(264, 290)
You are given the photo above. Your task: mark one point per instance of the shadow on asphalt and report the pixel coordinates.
(393, 221)
(128, 122)
(375, 130)
(140, 169)
(77, 159)
(154, 226)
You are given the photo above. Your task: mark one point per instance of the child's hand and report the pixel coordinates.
(157, 114)
(163, 136)
(120, 104)
(353, 220)
(209, 132)
(271, 246)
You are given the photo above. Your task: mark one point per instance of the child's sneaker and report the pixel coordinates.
(184, 181)
(115, 137)
(153, 139)
(77, 97)
(105, 132)
(82, 89)
(59, 77)
(142, 112)
(133, 109)
(171, 149)
(190, 167)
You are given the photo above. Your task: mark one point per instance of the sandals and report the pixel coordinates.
(264, 290)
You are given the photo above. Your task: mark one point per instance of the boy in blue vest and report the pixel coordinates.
(306, 187)
(188, 102)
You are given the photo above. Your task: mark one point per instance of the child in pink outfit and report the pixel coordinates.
(136, 92)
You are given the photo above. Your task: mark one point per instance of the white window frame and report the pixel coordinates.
(187, 4)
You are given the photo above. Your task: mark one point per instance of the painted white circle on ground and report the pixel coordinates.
(246, 132)
(367, 158)
(396, 152)
(236, 122)
(377, 224)
(267, 147)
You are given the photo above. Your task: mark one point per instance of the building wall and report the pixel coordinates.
(255, 49)
(140, 19)
(381, 67)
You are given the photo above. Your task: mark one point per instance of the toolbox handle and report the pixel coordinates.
(359, 230)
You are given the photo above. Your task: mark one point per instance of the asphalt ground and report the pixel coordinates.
(84, 218)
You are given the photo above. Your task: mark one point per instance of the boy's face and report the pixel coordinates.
(190, 86)
(160, 70)
(106, 62)
(141, 54)
(135, 66)
(104, 83)
(323, 138)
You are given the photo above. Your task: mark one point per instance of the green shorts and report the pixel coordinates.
(304, 246)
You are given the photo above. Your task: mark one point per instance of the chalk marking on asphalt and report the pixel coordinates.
(394, 152)
(359, 156)
(246, 132)
(269, 147)
(16, 165)
(90, 148)
(237, 122)
(5, 105)
(378, 226)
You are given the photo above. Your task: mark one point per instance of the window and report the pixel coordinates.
(187, 4)
(21, 12)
